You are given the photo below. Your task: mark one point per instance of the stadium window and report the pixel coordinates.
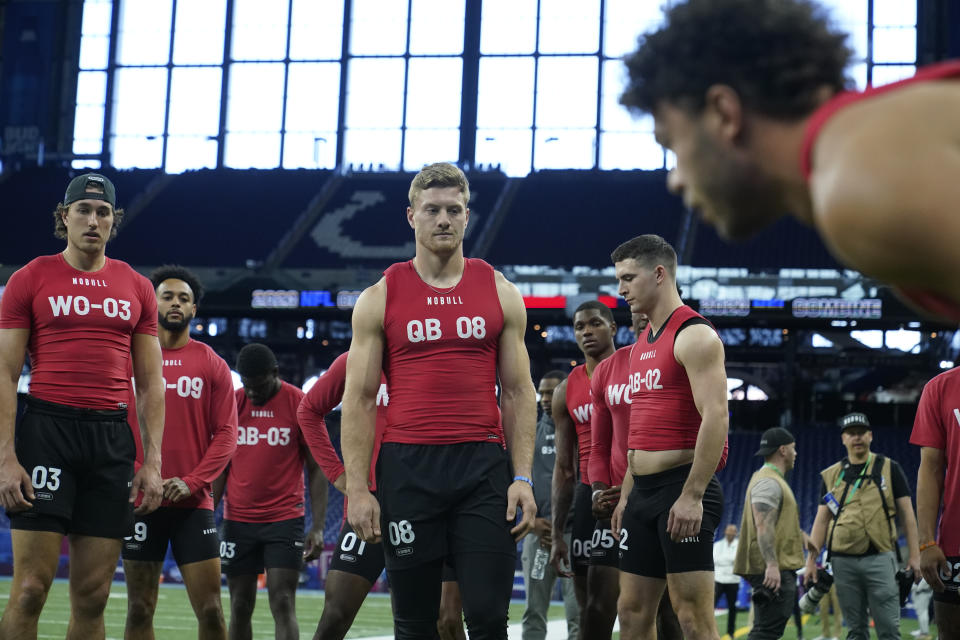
(378, 28)
(139, 105)
(259, 30)
(566, 118)
(143, 37)
(505, 113)
(316, 30)
(310, 139)
(88, 115)
(199, 30)
(433, 111)
(436, 27)
(254, 115)
(374, 112)
(194, 119)
(95, 34)
(508, 27)
(569, 26)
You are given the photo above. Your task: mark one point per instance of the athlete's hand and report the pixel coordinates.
(685, 518)
(313, 545)
(15, 486)
(605, 502)
(543, 530)
(771, 577)
(810, 572)
(933, 564)
(147, 481)
(363, 514)
(616, 518)
(560, 557)
(175, 489)
(520, 494)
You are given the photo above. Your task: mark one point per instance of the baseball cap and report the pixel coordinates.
(773, 439)
(77, 189)
(854, 420)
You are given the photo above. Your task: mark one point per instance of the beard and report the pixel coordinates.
(175, 326)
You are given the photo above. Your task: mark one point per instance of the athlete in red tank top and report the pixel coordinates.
(874, 171)
(81, 317)
(678, 438)
(441, 327)
(594, 329)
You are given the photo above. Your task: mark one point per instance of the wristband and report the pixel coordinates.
(593, 497)
(523, 479)
(927, 545)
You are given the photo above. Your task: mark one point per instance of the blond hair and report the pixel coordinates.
(439, 174)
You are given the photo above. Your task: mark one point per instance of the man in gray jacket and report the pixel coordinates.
(539, 590)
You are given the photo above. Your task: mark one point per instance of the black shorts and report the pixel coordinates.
(439, 500)
(604, 551)
(191, 533)
(249, 547)
(355, 556)
(951, 594)
(80, 462)
(645, 546)
(581, 541)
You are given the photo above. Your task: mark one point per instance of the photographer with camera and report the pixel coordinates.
(855, 519)
(771, 541)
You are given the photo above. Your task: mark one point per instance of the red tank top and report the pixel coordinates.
(931, 301)
(580, 408)
(440, 358)
(664, 415)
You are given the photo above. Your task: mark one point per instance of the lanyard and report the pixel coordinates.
(775, 468)
(856, 485)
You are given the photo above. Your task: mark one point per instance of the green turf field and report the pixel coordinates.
(174, 619)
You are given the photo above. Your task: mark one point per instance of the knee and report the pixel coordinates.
(210, 614)
(88, 599)
(282, 602)
(31, 596)
(139, 612)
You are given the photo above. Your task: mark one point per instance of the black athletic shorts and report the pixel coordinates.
(80, 462)
(191, 533)
(249, 547)
(355, 556)
(439, 500)
(581, 541)
(950, 595)
(604, 551)
(645, 546)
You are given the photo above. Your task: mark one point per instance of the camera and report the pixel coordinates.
(904, 583)
(820, 588)
(763, 596)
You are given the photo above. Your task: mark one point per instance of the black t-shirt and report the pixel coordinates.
(849, 476)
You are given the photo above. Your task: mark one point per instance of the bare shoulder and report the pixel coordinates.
(698, 344)
(511, 301)
(370, 306)
(884, 187)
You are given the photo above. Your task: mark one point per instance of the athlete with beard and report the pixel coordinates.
(594, 329)
(201, 429)
(751, 97)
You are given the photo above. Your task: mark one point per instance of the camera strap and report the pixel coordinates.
(878, 480)
(843, 500)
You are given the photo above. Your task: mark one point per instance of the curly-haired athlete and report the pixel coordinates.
(750, 96)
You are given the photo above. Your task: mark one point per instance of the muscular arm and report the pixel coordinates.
(322, 398)
(929, 495)
(699, 350)
(518, 402)
(15, 487)
(564, 474)
(765, 518)
(148, 380)
(358, 423)
(223, 444)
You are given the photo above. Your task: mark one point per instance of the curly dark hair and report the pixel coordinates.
(776, 54)
(60, 229)
(597, 306)
(177, 272)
